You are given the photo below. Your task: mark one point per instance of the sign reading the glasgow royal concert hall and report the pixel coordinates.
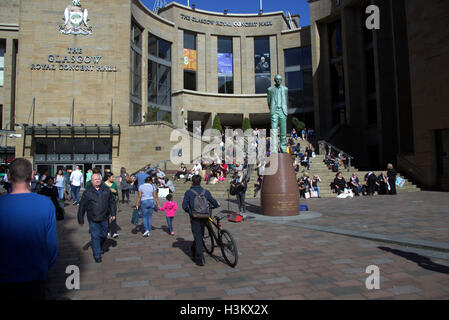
(75, 20)
(238, 24)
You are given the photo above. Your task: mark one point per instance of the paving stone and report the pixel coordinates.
(261, 261)
(131, 274)
(170, 267)
(235, 280)
(127, 259)
(310, 252)
(404, 290)
(190, 290)
(321, 280)
(176, 275)
(267, 244)
(272, 253)
(236, 291)
(353, 270)
(277, 280)
(342, 261)
(135, 284)
(341, 291)
(381, 261)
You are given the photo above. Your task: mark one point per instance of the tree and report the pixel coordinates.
(246, 124)
(217, 124)
(151, 114)
(299, 125)
(167, 117)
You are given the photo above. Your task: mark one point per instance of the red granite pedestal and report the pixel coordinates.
(280, 194)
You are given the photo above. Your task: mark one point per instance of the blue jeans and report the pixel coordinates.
(147, 213)
(98, 234)
(75, 193)
(60, 193)
(170, 223)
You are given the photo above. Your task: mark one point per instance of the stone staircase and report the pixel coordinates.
(317, 167)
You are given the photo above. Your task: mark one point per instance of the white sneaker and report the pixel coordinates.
(146, 234)
(109, 234)
(115, 235)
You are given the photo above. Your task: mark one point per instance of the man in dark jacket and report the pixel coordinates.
(99, 203)
(240, 183)
(197, 224)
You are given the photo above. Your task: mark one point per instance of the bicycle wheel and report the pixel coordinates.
(229, 248)
(208, 241)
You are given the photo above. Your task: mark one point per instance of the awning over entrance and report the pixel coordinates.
(69, 131)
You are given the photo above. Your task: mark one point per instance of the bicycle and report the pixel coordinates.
(223, 239)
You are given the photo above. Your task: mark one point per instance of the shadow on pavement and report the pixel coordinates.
(421, 261)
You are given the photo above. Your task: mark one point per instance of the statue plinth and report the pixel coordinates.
(280, 194)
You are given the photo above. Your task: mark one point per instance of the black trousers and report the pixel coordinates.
(198, 226)
(241, 201)
(125, 193)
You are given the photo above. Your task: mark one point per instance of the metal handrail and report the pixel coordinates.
(148, 166)
(323, 143)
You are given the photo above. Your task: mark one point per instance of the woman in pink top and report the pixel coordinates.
(170, 207)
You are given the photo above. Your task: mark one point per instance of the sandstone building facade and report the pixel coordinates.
(104, 83)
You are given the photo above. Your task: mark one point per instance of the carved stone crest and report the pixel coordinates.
(75, 20)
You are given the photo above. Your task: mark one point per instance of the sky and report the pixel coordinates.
(248, 6)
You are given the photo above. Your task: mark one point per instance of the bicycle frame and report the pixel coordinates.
(216, 236)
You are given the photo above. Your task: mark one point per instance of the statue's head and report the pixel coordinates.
(76, 3)
(278, 80)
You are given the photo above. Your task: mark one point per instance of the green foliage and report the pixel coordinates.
(217, 124)
(167, 117)
(151, 115)
(246, 124)
(299, 125)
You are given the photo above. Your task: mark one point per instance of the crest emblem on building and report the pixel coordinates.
(75, 20)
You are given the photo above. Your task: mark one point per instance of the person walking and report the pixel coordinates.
(110, 183)
(170, 208)
(50, 191)
(197, 224)
(141, 177)
(89, 175)
(146, 200)
(68, 190)
(28, 238)
(98, 202)
(125, 185)
(391, 174)
(76, 179)
(60, 183)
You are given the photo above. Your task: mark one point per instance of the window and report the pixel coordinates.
(262, 64)
(298, 79)
(2, 60)
(370, 80)
(336, 73)
(159, 79)
(225, 65)
(136, 72)
(190, 61)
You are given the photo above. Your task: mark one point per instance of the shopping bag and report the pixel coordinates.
(163, 192)
(307, 195)
(314, 194)
(400, 182)
(135, 217)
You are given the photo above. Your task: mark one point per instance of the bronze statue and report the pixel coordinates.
(277, 96)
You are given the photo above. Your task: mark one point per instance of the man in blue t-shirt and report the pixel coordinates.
(141, 176)
(28, 238)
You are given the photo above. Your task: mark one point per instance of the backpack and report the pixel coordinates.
(200, 208)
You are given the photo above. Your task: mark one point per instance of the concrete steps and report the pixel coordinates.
(317, 167)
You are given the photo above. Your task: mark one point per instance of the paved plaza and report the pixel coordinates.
(321, 254)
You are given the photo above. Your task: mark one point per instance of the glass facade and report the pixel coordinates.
(2, 60)
(262, 64)
(370, 88)
(68, 146)
(337, 73)
(136, 73)
(190, 61)
(159, 80)
(298, 79)
(225, 65)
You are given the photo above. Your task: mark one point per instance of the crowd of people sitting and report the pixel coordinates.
(384, 183)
